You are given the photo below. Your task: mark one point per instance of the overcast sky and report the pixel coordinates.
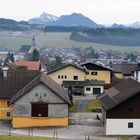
(101, 11)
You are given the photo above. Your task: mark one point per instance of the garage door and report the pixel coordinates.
(96, 90)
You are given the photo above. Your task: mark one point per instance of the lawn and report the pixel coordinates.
(124, 138)
(14, 40)
(93, 105)
(73, 107)
(6, 137)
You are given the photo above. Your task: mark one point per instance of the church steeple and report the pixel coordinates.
(33, 42)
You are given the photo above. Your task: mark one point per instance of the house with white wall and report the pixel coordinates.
(92, 87)
(121, 108)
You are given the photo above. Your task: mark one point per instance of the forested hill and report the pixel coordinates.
(113, 36)
(65, 29)
(9, 24)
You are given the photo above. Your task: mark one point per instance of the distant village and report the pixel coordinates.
(39, 85)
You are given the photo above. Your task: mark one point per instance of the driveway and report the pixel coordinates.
(82, 102)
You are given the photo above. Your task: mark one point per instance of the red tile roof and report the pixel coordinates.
(31, 65)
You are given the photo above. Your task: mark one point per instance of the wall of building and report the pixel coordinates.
(119, 75)
(120, 127)
(22, 122)
(4, 109)
(101, 75)
(57, 109)
(91, 89)
(137, 75)
(69, 72)
(22, 106)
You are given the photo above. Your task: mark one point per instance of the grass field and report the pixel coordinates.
(6, 137)
(93, 105)
(59, 40)
(73, 107)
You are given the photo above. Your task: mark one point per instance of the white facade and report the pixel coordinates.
(137, 75)
(121, 127)
(90, 89)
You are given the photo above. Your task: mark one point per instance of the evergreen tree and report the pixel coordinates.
(9, 57)
(58, 61)
(35, 55)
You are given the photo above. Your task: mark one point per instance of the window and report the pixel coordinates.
(130, 125)
(8, 114)
(88, 89)
(131, 109)
(58, 76)
(62, 76)
(7, 103)
(94, 73)
(39, 110)
(65, 76)
(75, 77)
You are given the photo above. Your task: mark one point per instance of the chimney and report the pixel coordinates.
(5, 72)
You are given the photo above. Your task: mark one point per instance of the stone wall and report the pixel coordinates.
(57, 107)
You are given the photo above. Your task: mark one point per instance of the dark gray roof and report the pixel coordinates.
(121, 92)
(125, 69)
(25, 48)
(15, 81)
(70, 64)
(93, 66)
(51, 84)
(136, 69)
(83, 83)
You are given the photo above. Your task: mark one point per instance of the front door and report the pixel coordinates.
(96, 90)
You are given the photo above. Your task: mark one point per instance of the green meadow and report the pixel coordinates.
(55, 39)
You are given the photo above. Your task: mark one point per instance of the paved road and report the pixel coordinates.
(76, 131)
(82, 102)
(82, 105)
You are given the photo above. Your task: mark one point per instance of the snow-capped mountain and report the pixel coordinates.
(75, 19)
(48, 17)
(44, 18)
(135, 25)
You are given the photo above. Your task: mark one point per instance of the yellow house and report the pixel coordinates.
(69, 72)
(5, 109)
(11, 81)
(123, 70)
(97, 72)
(32, 99)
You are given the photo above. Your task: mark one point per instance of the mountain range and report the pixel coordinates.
(75, 19)
(72, 20)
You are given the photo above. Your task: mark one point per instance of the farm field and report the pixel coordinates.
(14, 40)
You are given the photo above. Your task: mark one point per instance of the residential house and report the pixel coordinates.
(123, 70)
(86, 87)
(12, 81)
(136, 73)
(32, 99)
(68, 72)
(121, 108)
(97, 72)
